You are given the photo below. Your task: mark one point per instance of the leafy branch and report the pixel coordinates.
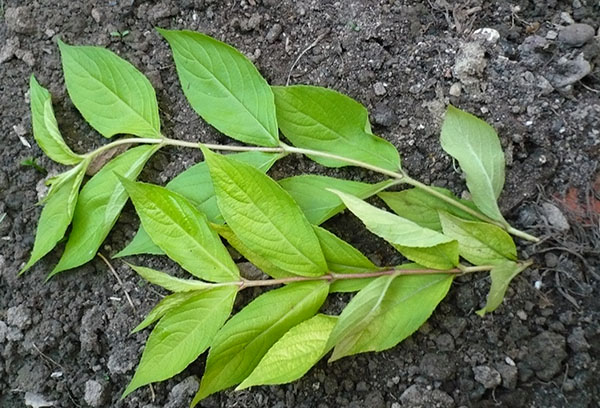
(230, 199)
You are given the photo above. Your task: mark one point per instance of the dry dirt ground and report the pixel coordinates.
(532, 73)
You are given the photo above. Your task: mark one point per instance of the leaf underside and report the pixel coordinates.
(424, 246)
(476, 146)
(45, 128)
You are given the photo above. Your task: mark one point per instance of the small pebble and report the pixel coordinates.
(95, 393)
(274, 33)
(551, 260)
(509, 375)
(36, 400)
(379, 89)
(455, 89)
(576, 35)
(487, 376)
(555, 217)
(487, 34)
(551, 35)
(577, 341)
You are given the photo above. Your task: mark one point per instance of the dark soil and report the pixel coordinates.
(66, 343)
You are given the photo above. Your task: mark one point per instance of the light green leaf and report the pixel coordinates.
(262, 263)
(422, 208)
(501, 275)
(386, 312)
(342, 257)
(111, 94)
(99, 205)
(322, 119)
(246, 337)
(424, 246)
(265, 217)
(294, 354)
(170, 282)
(195, 185)
(476, 146)
(167, 303)
(478, 242)
(319, 204)
(224, 87)
(184, 333)
(182, 232)
(57, 213)
(45, 128)
(140, 244)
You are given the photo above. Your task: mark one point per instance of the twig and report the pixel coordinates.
(332, 277)
(304, 51)
(589, 88)
(118, 280)
(46, 357)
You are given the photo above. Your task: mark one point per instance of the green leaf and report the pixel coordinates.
(184, 333)
(246, 337)
(501, 275)
(195, 185)
(99, 205)
(140, 244)
(294, 354)
(424, 246)
(322, 119)
(422, 208)
(45, 128)
(224, 87)
(342, 257)
(167, 303)
(476, 146)
(182, 232)
(478, 242)
(265, 217)
(319, 204)
(57, 213)
(386, 312)
(262, 263)
(111, 94)
(169, 282)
